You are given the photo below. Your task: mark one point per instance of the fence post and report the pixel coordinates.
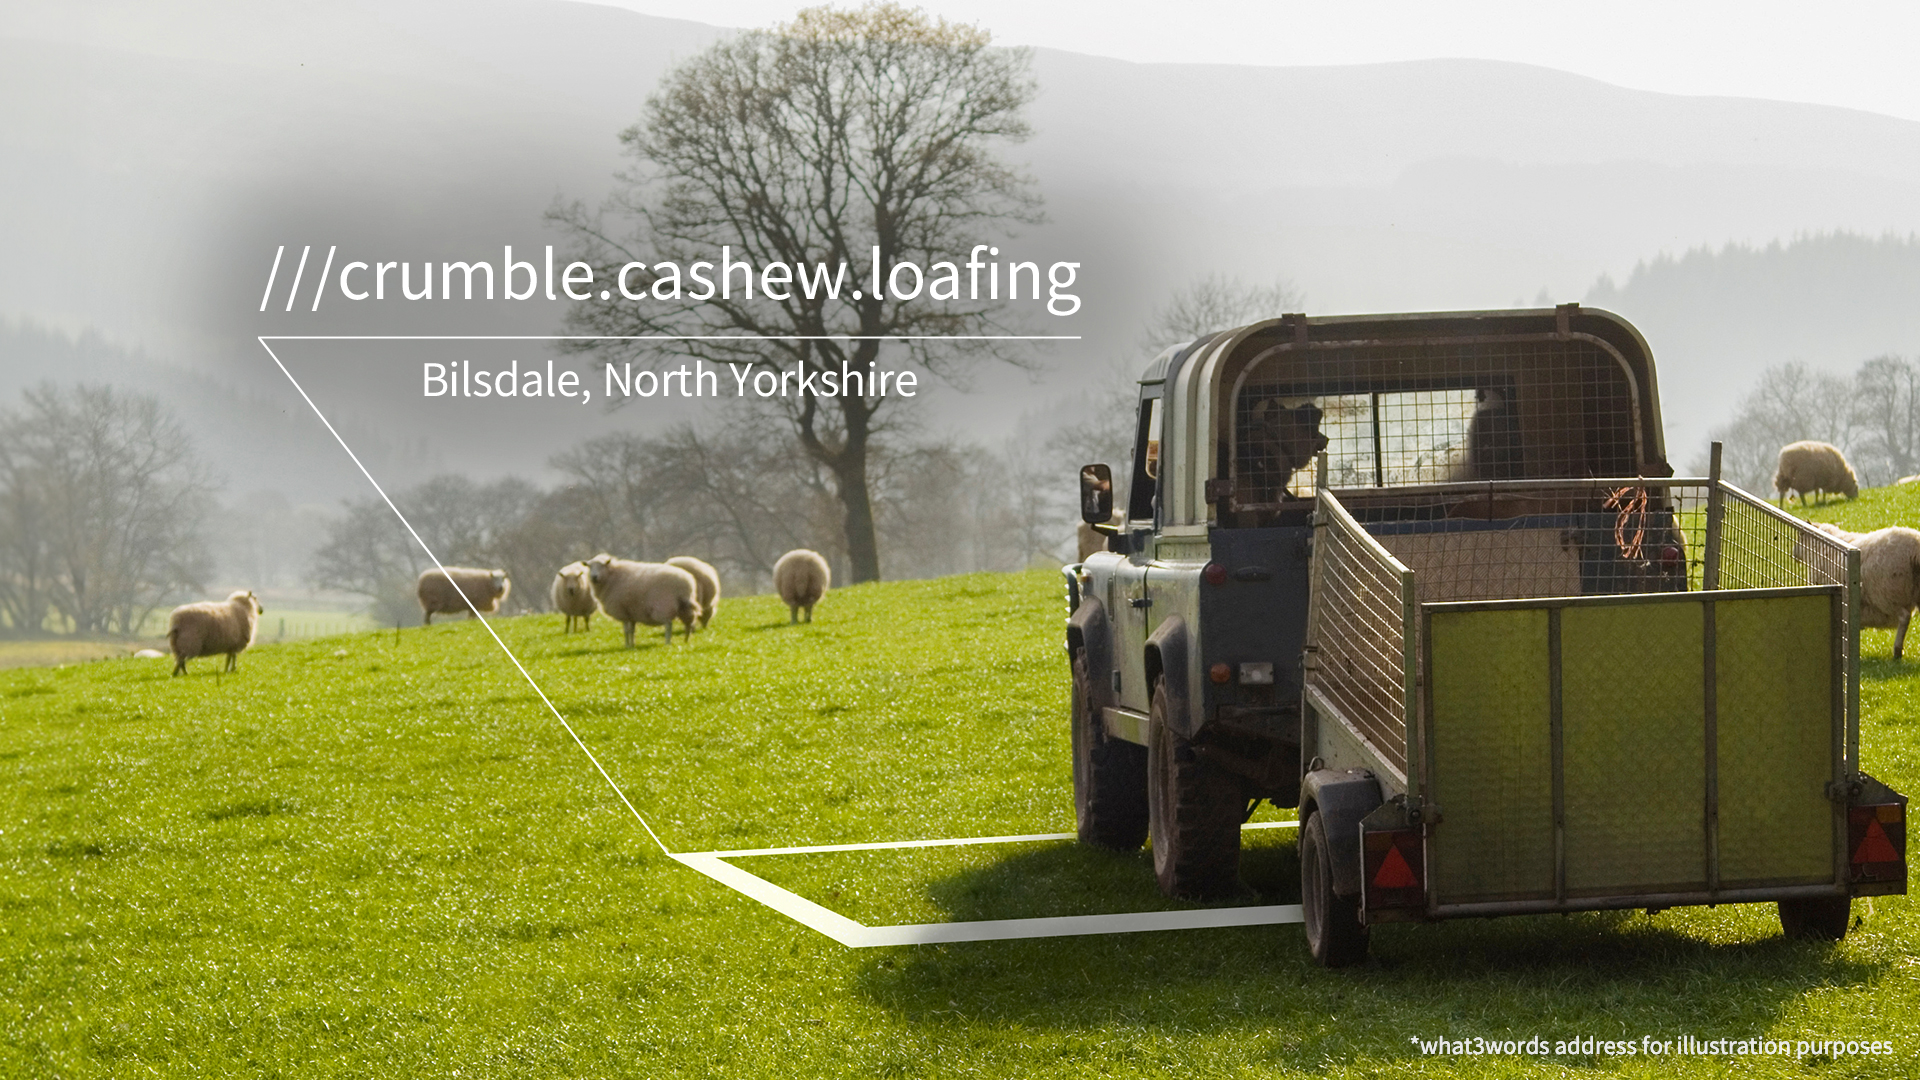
(1716, 508)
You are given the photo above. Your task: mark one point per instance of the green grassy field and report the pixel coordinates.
(370, 856)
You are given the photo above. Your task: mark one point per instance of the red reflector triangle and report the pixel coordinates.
(1875, 847)
(1396, 874)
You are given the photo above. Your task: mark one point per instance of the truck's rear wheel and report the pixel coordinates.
(1819, 918)
(1109, 775)
(1335, 935)
(1194, 813)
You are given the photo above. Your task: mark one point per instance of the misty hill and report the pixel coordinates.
(1715, 317)
(157, 156)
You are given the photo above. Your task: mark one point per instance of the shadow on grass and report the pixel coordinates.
(1583, 974)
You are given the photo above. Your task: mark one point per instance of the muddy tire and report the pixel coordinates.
(1335, 935)
(1109, 775)
(1194, 811)
(1819, 918)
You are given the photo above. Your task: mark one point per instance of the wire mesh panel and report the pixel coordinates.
(1358, 633)
(1539, 539)
(1393, 414)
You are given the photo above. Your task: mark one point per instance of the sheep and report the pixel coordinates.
(801, 577)
(640, 592)
(1889, 577)
(708, 580)
(1818, 467)
(440, 593)
(213, 626)
(573, 596)
(1493, 438)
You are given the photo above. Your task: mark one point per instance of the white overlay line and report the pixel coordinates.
(714, 864)
(660, 337)
(856, 935)
(740, 853)
(470, 605)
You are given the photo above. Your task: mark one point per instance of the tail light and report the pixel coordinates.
(1877, 843)
(1394, 869)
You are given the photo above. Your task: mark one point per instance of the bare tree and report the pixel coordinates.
(1217, 302)
(1788, 403)
(1886, 415)
(106, 505)
(839, 138)
(367, 551)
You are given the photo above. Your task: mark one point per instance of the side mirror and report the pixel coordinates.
(1096, 497)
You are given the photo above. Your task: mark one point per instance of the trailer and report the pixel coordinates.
(1430, 579)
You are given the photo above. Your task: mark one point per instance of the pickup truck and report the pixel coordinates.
(1430, 580)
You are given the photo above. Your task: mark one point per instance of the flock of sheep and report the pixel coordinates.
(687, 590)
(1889, 557)
(683, 589)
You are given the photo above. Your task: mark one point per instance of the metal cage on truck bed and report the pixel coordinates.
(1623, 693)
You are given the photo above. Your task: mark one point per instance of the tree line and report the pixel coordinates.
(105, 508)
(1872, 415)
(738, 493)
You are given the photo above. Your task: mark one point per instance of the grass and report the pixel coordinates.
(54, 651)
(364, 855)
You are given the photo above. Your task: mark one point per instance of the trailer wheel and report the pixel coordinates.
(1194, 812)
(1335, 935)
(1109, 775)
(1818, 918)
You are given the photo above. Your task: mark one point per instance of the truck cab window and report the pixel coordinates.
(1146, 464)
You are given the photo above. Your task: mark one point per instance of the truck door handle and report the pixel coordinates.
(1141, 601)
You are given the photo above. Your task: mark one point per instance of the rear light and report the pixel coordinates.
(1394, 865)
(1214, 573)
(1877, 843)
(1220, 673)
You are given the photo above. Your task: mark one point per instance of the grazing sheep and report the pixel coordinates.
(1815, 467)
(801, 577)
(440, 594)
(213, 626)
(573, 596)
(708, 580)
(640, 592)
(1889, 578)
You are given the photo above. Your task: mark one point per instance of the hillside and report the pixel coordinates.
(158, 160)
(379, 853)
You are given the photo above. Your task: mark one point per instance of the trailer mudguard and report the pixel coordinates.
(1089, 631)
(1342, 797)
(1167, 656)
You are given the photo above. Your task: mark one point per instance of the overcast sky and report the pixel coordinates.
(1857, 55)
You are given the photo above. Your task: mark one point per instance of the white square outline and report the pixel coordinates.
(855, 935)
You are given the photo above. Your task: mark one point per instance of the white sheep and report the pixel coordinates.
(213, 626)
(440, 593)
(708, 580)
(640, 592)
(1889, 578)
(801, 577)
(1815, 467)
(573, 596)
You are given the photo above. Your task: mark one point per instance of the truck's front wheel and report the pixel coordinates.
(1194, 810)
(1109, 775)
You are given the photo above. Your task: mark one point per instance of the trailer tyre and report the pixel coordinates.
(1335, 935)
(1109, 775)
(1819, 918)
(1194, 812)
